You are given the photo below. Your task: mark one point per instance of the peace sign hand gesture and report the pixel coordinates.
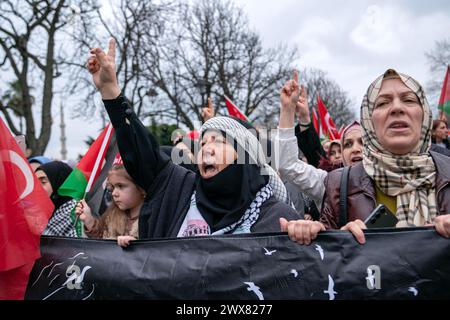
(102, 66)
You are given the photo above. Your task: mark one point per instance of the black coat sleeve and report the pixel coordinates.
(270, 213)
(137, 146)
(309, 143)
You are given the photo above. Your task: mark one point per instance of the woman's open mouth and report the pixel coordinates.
(398, 125)
(209, 170)
(356, 159)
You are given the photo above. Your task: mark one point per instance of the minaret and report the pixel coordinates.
(63, 134)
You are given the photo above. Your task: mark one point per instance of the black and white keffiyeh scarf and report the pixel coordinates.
(60, 224)
(250, 216)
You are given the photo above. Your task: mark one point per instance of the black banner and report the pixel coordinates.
(393, 264)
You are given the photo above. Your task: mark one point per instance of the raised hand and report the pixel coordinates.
(102, 66)
(302, 108)
(290, 93)
(289, 96)
(208, 111)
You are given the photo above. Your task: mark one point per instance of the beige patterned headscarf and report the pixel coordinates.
(410, 177)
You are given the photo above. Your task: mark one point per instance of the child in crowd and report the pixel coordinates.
(120, 220)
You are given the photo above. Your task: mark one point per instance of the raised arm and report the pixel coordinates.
(138, 148)
(305, 177)
(307, 139)
(289, 96)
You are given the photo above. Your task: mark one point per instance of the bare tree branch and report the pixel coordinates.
(8, 119)
(438, 60)
(35, 24)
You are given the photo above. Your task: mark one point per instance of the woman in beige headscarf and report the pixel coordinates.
(397, 170)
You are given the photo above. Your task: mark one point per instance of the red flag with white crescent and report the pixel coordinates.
(25, 209)
(328, 126)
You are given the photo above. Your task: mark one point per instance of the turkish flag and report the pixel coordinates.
(24, 212)
(234, 111)
(328, 126)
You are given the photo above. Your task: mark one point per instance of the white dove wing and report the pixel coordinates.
(80, 278)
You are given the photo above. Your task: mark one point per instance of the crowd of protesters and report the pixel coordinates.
(227, 179)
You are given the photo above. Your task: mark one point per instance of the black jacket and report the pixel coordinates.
(309, 143)
(169, 187)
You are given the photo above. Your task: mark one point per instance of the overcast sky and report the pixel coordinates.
(354, 41)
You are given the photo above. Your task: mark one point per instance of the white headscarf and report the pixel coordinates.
(246, 140)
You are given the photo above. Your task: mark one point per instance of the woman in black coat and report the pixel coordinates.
(234, 192)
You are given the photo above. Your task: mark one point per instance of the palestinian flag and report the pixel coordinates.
(85, 174)
(444, 99)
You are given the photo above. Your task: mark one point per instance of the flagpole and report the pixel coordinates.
(96, 165)
(99, 159)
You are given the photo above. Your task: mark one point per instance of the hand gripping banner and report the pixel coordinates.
(411, 263)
